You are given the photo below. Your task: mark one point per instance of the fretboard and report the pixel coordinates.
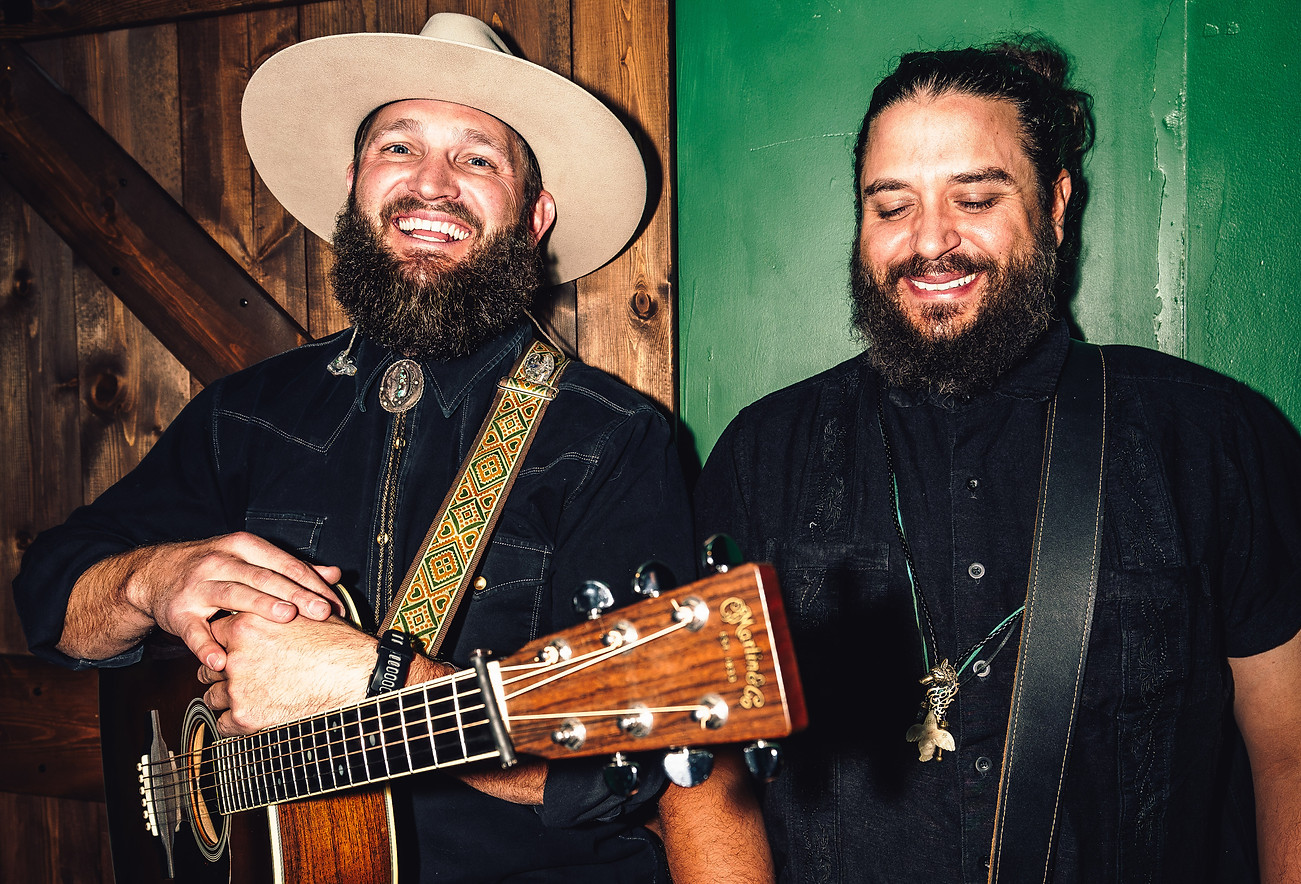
(437, 724)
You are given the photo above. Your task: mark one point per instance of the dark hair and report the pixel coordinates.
(1027, 70)
(531, 172)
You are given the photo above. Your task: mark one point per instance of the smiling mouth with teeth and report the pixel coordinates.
(430, 230)
(942, 286)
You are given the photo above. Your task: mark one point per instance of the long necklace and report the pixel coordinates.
(942, 680)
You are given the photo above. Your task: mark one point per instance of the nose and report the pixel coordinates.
(935, 234)
(433, 179)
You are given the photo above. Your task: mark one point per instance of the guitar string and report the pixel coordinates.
(525, 670)
(256, 755)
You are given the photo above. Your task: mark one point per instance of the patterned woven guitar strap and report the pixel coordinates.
(437, 580)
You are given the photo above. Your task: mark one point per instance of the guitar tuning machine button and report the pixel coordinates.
(693, 611)
(593, 599)
(719, 554)
(653, 578)
(624, 633)
(711, 713)
(557, 652)
(689, 767)
(622, 776)
(764, 760)
(571, 734)
(638, 723)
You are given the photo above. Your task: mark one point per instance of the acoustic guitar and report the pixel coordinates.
(707, 663)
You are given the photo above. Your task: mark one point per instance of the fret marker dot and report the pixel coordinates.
(340, 770)
(372, 740)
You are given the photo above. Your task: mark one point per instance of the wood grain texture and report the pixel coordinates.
(155, 257)
(131, 386)
(49, 730)
(25, 20)
(627, 310)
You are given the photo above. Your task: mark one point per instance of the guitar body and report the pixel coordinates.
(344, 837)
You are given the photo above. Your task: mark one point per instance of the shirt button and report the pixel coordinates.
(382, 539)
(973, 484)
(983, 765)
(980, 668)
(976, 570)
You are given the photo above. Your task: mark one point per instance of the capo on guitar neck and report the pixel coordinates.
(489, 688)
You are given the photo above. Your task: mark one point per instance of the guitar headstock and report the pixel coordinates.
(707, 663)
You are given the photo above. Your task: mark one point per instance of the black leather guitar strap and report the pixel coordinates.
(1055, 630)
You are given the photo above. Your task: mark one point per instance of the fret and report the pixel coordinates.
(276, 762)
(397, 758)
(373, 737)
(445, 734)
(264, 783)
(224, 771)
(294, 760)
(244, 785)
(334, 744)
(354, 748)
(312, 755)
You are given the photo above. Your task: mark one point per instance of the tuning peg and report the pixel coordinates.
(764, 759)
(720, 553)
(593, 599)
(653, 578)
(689, 767)
(622, 776)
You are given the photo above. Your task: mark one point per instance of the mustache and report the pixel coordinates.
(917, 266)
(407, 204)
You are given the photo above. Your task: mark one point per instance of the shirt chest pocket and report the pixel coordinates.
(824, 582)
(296, 533)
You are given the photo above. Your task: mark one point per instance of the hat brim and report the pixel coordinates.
(302, 108)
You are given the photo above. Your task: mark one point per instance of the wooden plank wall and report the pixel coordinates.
(85, 389)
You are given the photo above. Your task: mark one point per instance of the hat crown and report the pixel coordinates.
(465, 29)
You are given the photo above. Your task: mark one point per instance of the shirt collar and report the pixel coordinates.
(449, 381)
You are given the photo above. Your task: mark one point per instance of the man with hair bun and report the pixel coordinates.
(1046, 597)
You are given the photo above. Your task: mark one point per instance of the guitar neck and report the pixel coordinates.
(438, 724)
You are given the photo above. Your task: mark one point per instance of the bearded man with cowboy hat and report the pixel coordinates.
(454, 180)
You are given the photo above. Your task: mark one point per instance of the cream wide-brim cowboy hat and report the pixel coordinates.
(302, 108)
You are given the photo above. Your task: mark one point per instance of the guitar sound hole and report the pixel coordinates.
(201, 786)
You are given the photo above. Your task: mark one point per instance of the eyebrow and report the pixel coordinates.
(469, 135)
(987, 175)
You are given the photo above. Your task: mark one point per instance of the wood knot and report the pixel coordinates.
(22, 287)
(643, 305)
(108, 393)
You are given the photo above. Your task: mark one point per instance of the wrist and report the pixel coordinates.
(393, 656)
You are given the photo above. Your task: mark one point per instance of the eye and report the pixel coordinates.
(977, 205)
(395, 148)
(891, 213)
(481, 162)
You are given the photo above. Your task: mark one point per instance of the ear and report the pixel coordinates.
(352, 174)
(1061, 196)
(543, 215)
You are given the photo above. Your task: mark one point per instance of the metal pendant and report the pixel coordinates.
(401, 386)
(538, 367)
(931, 735)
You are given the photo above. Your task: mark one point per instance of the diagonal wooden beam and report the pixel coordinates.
(195, 298)
(36, 19)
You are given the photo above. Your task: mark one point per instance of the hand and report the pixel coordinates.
(279, 672)
(182, 586)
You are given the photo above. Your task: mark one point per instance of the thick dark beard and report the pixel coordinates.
(1017, 308)
(427, 307)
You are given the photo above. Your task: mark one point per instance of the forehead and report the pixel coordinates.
(942, 136)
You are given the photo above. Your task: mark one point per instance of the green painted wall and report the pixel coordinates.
(1190, 235)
